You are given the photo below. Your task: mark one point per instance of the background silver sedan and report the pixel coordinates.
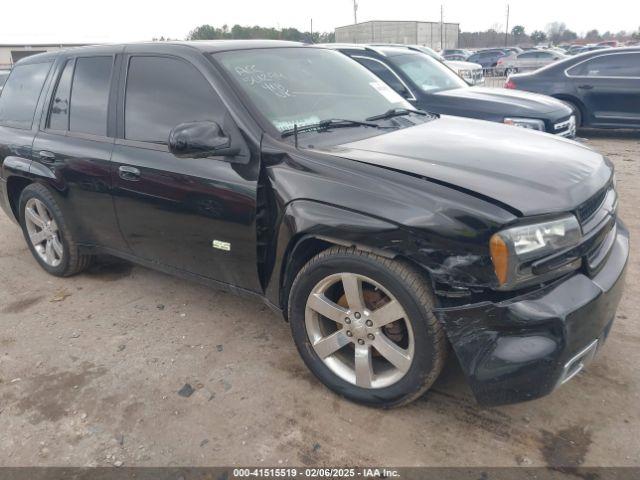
(529, 60)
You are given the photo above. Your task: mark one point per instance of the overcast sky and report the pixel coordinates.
(36, 21)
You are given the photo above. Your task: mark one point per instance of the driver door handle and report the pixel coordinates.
(128, 173)
(585, 87)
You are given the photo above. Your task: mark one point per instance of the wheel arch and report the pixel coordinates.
(308, 228)
(574, 101)
(15, 185)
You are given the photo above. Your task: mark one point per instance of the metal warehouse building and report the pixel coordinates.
(431, 34)
(11, 53)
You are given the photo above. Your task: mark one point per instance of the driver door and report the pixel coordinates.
(191, 214)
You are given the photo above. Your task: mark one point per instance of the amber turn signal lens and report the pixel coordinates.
(500, 258)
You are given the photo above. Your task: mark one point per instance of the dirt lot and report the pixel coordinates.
(91, 366)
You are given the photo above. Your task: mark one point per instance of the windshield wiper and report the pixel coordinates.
(329, 123)
(396, 112)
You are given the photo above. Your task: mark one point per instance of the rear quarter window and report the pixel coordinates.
(20, 95)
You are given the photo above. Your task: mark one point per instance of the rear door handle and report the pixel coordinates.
(130, 174)
(585, 87)
(47, 156)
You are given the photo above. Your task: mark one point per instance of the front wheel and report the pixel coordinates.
(364, 326)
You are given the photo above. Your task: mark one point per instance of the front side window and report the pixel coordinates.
(302, 86)
(162, 93)
(90, 95)
(21, 93)
(427, 73)
(611, 65)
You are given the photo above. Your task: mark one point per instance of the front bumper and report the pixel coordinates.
(523, 348)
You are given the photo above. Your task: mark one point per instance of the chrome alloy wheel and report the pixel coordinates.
(43, 232)
(359, 330)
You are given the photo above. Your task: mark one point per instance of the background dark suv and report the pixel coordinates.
(432, 86)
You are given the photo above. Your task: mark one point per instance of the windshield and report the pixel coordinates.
(427, 73)
(303, 86)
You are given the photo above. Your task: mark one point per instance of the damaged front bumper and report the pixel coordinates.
(522, 348)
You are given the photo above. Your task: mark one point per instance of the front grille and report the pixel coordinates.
(588, 208)
(566, 128)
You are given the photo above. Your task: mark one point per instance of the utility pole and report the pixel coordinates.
(311, 30)
(506, 33)
(441, 27)
(355, 11)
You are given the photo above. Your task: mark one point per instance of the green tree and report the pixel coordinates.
(538, 36)
(517, 31)
(208, 32)
(593, 36)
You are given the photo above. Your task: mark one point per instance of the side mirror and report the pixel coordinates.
(200, 139)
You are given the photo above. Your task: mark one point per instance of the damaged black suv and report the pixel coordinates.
(293, 175)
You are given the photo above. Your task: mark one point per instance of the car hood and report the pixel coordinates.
(459, 65)
(529, 171)
(504, 101)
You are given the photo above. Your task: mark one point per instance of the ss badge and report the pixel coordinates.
(220, 245)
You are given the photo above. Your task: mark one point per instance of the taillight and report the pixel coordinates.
(510, 84)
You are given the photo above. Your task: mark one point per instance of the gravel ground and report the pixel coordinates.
(93, 372)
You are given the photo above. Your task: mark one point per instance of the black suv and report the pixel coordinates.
(430, 85)
(292, 175)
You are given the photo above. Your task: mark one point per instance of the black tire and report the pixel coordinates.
(409, 287)
(72, 261)
(576, 111)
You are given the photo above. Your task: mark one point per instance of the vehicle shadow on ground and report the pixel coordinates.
(108, 268)
(591, 133)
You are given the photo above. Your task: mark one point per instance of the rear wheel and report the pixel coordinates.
(363, 325)
(47, 235)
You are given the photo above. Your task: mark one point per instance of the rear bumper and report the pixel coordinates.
(525, 347)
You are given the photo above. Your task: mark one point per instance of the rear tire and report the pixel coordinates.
(364, 346)
(48, 235)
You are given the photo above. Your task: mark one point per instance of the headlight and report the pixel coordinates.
(531, 123)
(514, 250)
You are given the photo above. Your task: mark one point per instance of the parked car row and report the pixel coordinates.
(385, 234)
(602, 86)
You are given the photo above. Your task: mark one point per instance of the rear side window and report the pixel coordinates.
(611, 65)
(21, 93)
(59, 114)
(162, 93)
(90, 95)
